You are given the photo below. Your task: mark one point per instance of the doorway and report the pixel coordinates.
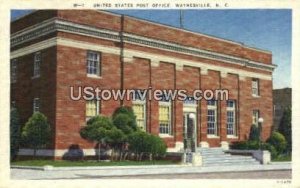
(189, 131)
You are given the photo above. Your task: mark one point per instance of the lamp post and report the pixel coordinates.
(260, 122)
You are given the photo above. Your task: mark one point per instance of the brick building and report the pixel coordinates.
(52, 50)
(282, 99)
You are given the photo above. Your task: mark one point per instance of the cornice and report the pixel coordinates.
(54, 25)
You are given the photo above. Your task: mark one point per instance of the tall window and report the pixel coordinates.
(255, 87)
(91, 108)
(37, 64)
(36, 105)
(212, 117)
(231, 125)
(165, 117)
(255, 116)
(93, 63)
(13, 70)
(139, 109)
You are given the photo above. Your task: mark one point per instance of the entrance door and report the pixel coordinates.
(189, 130)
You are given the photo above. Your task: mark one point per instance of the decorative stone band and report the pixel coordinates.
(53, 25)
(155, 59)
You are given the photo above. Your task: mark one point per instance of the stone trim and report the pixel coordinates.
(54, 25)
(133, 53)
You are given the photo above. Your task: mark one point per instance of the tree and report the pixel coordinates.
(254, 133)
(137, 144)
(14, 133)
(36, 132)
(126, 110)
(285, 128)
(96, 130)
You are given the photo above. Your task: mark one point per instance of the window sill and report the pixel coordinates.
(165, 136)
(212, 136)
(256, 96)
(232, 137)
(94, 76)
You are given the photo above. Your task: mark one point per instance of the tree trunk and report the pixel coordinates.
(34, 152)
(99, 152)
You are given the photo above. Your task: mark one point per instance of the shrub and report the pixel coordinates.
(246, 145)
(136, 142)
(270, 148)
(143, 143)
(156, 147)
(278, 141)
(254, 133)
(36, 132)
(14, 133)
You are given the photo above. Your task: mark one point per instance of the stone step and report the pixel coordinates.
(229, 159)
(230, 163)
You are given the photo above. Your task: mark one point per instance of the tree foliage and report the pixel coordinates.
(285, 128)
(144, 143)
(36, 133)
(254, 133)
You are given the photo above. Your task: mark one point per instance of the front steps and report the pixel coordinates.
(217, 157)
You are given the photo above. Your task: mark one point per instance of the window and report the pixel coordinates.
(93, 63)
(255, 116)
(231, 125)
(13, 70)
(37, 64)
(140, 113)
(91, 108)
(255, 87)
(165, 117)
(36, 105)
(212, 117)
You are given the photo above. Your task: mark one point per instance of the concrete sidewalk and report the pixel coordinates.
(18, 172)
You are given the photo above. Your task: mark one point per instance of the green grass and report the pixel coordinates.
(89, 163)
(283, 158)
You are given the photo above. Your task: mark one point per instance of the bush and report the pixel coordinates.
(278, 141)
(14, 133)
(155, 146)
(143, 143)
(270, 148)
(136, 142)
(254, 133)
(246, 145)
(36, 132)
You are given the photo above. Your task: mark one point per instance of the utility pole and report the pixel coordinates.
(181, 19)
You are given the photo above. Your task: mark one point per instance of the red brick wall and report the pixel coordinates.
(63, 67)
(72, 72)
(26, 88)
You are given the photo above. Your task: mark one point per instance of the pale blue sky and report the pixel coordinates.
(267, 29)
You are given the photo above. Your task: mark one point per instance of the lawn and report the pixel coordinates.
(90, 163)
